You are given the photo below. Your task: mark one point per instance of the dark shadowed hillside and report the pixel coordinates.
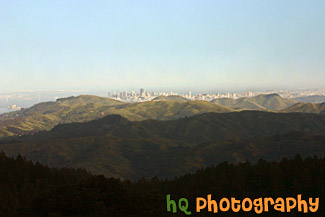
(197, 129)
(117, 147)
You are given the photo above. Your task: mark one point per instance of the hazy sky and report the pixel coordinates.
(161, 44)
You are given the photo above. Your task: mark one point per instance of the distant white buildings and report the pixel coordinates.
(14, 107)
(143, 95)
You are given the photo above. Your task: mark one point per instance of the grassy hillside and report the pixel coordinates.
(260, 102)
(117, 147)
(307, 108)
(165, 110)
(45, 116)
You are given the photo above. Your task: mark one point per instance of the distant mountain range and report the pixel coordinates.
(117, 147)
(45, 116)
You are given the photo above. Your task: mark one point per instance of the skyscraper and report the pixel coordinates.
(141, 92)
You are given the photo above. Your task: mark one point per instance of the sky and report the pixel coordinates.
(162, 44)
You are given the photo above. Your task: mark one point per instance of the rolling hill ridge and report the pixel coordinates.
(45, 116)
(260, 102)
(307, 108)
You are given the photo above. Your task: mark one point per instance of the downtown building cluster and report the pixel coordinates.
(142, 95)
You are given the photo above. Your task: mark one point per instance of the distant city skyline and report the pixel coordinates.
(173, 45)
(12, 101)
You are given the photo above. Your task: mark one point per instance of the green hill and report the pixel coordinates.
(45, 116)
(117, 147)
(307, 108)
(260, 102)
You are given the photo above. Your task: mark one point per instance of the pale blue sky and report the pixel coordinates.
(165, 44)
